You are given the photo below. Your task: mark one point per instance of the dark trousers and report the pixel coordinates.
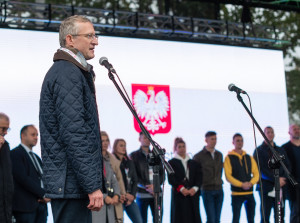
(213, 201)
(37, 216)
(237, 201)
(295, 206)
(269, 203)
(71, 211)
(143, 204)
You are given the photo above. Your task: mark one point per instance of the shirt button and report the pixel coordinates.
(59, 189)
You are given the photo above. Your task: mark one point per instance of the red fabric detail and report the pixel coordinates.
(179, 187)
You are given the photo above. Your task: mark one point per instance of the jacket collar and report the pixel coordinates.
(61, 55)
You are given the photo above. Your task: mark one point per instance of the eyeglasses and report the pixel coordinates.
(5, 129)
(90, 36)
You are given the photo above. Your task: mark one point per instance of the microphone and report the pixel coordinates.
(104, 62)
(232, 87)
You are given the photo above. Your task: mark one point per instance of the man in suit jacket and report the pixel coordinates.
(29, 203)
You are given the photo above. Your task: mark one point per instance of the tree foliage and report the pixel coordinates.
(293, 92)
(287, 26)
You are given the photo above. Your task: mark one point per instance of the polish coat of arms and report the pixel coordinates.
(152, 104)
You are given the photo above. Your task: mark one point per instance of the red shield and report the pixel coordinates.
(152, 104)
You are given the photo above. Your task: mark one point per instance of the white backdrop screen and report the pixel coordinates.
(197, 75)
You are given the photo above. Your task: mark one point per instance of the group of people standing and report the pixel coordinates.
(86, 183)
(128, 182)
(22, 193)
(202, 175)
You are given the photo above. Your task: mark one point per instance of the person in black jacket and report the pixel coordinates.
(70, 127)
(130, 180)
(186, 184)
(263, 154)
(6, 178)
(145, 195)
(29, 203)
(292, 149)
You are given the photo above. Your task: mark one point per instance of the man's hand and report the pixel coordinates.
(129, 197)
(128, 202)
(282, 181)
(96, 200)
(246, 185)
(122, 198)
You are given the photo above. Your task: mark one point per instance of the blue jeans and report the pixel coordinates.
(71, 211)
(143, 204)
(133, 212)
(213, 201)
(237, 201)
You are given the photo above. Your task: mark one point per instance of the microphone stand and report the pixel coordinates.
(154, 159)
(274, 163)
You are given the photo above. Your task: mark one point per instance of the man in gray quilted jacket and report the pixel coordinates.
(69, 126)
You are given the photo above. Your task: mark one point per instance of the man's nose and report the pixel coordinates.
(95, 41)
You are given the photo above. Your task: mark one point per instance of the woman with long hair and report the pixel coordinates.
(130, 180)
(186, 184)
(112, 204)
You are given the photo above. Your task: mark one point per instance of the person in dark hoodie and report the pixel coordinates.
(70, 127)
(242, 173)
(6, 178)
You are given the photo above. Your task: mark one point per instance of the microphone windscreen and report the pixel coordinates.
(230, 86)
(102, 59)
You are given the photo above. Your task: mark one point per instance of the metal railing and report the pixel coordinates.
(36, 16)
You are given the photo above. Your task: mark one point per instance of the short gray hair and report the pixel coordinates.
(4, 116)
(69, 26)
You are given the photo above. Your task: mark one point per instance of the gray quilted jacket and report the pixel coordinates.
(70, 130)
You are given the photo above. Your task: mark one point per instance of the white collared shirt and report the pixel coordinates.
(36, 160)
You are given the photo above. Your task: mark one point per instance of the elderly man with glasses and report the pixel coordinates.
(69, 126)
(6, 179)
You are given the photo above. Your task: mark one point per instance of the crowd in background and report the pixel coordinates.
(129, 178)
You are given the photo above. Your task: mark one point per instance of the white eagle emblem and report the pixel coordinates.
(153, 109)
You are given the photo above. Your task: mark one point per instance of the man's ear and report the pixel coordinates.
(69, 40)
